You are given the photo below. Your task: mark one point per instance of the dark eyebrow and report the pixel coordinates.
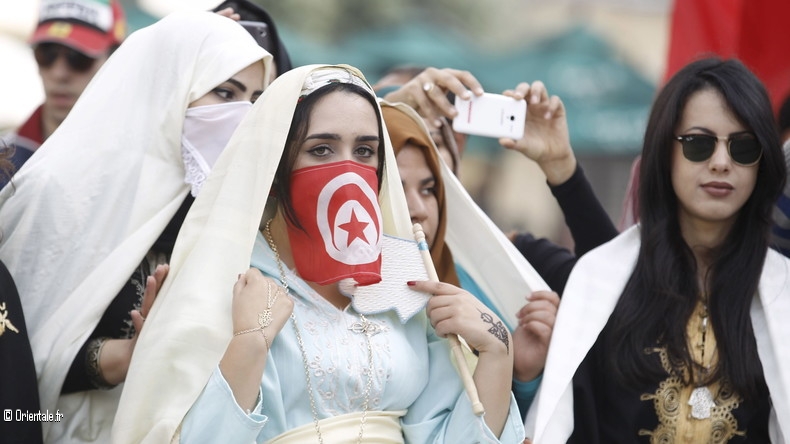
(707, 131)
(330, 136)
(323, 136)
(237, 84)
(701, 129)
(428, 181)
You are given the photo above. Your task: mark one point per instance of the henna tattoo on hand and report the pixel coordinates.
(497, 329)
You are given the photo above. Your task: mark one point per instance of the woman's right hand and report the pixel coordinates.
(251, 296)
(546, 138)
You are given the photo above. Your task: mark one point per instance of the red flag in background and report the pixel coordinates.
(755, 31)
(337, 205)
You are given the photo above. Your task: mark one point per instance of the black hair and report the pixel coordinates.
(783, 117)
(298, 132)
(662, 292)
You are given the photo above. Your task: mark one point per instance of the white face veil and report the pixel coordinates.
(82, 212)
(190, 324)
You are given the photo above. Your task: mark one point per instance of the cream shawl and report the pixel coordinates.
(82, 212)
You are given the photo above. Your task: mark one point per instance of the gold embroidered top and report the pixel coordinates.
(672, 399)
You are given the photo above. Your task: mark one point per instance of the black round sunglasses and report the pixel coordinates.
(744, 149)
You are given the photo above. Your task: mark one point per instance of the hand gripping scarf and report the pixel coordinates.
(86, 208)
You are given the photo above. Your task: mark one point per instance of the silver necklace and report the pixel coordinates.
(701, 399)
(366, 327)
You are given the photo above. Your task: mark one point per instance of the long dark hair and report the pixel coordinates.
(298, 132)
(662, 292)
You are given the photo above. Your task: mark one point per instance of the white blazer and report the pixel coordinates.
(593, 289)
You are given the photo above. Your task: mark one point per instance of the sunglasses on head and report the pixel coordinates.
(744, 149)
(47, 53)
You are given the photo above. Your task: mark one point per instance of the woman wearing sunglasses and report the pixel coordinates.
(676, 330)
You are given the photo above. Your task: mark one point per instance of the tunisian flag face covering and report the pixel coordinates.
(337, 205)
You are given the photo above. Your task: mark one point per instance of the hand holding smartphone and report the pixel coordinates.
(491, 115)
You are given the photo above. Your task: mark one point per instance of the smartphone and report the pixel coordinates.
(259, 31)
(491, 115)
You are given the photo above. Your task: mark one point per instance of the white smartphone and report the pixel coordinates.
(491, 115)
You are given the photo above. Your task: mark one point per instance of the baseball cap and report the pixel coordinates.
(89, 26)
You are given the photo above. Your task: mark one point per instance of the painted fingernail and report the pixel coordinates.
(411, 283)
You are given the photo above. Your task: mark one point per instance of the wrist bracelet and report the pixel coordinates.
(93, 366)
(250, 330)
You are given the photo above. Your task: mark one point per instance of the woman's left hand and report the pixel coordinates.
(533, 333)
(453, 310)
(116, 354)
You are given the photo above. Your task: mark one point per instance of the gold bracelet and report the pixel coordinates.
(250, 330)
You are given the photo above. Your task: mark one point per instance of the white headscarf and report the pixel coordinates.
(83, 211)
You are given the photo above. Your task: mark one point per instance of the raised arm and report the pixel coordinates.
(427, 92)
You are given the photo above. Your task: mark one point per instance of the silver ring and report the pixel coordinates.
(427, 87)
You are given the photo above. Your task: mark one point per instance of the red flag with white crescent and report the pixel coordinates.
(337, 206)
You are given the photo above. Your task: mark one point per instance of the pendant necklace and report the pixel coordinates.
(701, 399)
(366, 327)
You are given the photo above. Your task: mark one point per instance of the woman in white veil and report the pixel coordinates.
(84, 211)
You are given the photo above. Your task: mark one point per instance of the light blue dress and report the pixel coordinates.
(413, 371)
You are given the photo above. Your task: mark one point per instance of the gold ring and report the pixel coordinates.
(427, 87)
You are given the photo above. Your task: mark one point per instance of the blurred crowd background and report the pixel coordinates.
(604, 58)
